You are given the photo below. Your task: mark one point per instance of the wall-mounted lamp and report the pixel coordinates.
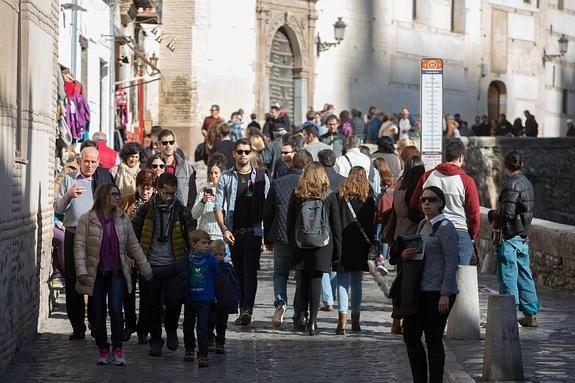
(172, 44)
(339, 34)
(563, 45)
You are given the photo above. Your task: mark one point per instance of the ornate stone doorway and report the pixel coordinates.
(496, 100)
(281, 79)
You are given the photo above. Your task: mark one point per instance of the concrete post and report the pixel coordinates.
(502, 355)
(463, 322)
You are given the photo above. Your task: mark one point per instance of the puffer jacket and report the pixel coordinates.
(276, 207)
(89, 233)
(515, 211)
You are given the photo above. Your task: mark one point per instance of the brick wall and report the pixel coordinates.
(26, 168)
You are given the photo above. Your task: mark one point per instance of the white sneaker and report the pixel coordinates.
(117, 358)
(104, 357)
(278, 317)
(382, 270)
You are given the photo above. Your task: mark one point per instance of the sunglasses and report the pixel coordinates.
(240, 152)
(168, 142)
(428, 199)
(167, 194)
(156, 166)
(286, 153)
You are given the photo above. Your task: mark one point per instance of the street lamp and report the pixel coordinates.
(563, 45)
(339, 34)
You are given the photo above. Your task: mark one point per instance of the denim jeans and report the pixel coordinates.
(344, 281)
(112, 287)
(133, 321)
(465, 247)
(246, 253)
(329, 288)
(218, 322)
(162, 288)
(427, 320)
(196, 315)
(281, 273)
(514, 274)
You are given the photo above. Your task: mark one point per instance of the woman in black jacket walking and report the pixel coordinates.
(312, 262)
(357, 209)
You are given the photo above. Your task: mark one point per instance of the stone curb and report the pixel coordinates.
(454, 371)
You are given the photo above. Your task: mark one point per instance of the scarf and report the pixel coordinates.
(126, 178)
(109, 248)
(163, 229)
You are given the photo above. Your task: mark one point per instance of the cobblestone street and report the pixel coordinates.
(262, 354)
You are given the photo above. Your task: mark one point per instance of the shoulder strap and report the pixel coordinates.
(349, 161)
(358, 224)
(435, 227)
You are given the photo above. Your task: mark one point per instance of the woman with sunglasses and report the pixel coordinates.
(437, 289)
(104, 241)
(129, 168)
(157, 164)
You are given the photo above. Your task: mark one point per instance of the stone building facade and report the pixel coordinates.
(252, 53)
(28, 83)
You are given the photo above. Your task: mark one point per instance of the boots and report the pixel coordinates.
(342, 324)
(396, 326)
(528, 321)
(355, 323)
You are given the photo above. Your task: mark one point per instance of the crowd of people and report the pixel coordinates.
(314, 195)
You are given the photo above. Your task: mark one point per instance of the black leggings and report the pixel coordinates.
(308, 293)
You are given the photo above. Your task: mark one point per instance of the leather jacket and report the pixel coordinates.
(515, 211)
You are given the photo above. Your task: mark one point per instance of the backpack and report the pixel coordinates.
(312, 225)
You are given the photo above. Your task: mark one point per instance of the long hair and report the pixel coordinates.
(101, 197)
(413, 171)
(313, 182)
(356, 185)
(386, 176)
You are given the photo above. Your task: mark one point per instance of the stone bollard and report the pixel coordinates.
(463, 322)
(502, 355)
(490, 262)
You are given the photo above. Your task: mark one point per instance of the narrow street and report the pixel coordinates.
(262, 354)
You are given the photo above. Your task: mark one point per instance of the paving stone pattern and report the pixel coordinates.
(258, 354)
(548, 351)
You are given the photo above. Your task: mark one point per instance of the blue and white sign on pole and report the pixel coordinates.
(431, 93)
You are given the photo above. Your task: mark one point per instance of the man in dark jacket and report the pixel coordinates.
(178, 166)
(277, 116)
(531, 126)
(162, 225)
(326, 158)
(275, 230)
(513, 217)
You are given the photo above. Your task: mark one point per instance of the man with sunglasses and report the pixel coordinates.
(240, 198)
(176, 165)
(461, 198)
(162, 225)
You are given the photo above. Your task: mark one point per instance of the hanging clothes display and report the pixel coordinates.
(77, 108)
(121, 108)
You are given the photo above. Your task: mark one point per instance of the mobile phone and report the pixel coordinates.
(208, 190)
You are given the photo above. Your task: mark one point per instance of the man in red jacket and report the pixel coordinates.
(462, 201)
(108, 156)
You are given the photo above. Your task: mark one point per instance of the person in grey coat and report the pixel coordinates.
(437, 291)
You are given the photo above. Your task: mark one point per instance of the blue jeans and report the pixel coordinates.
(196, 315)
(465, 247)
(514, 274)
(112, 287)
(281, 273)
(329, 288)
(246, 253)
(344, 280)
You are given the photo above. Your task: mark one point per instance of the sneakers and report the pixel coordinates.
(220, 349)
(172, 342)
(326, 308)
(278, 317)
(211, 345)
(238, 320)
(245, 319)
(528, 321)
(189, 355)
(104, 357)
(203, 361)
(156, 348)
(380, 262)
(117, 358)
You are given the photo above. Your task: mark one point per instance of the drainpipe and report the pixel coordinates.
(112, 77)
(74, 42)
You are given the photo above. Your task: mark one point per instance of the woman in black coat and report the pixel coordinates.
(357, 210)
(312, 262)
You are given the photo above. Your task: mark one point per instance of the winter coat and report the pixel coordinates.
(227, 288)
(88, 239)
(355, 248)
(126, 179)
(186, 176)
(276, 207)
(323, 258)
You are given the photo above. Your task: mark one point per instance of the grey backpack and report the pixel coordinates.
(312, 225)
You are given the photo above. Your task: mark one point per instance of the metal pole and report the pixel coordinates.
(74, 42)
(140, 135)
